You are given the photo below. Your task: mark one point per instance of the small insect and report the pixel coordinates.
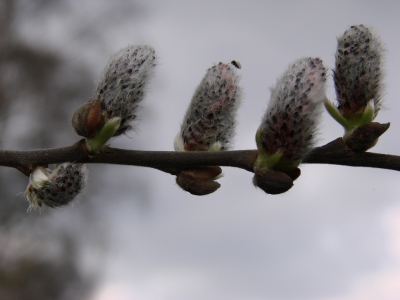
(236, 64)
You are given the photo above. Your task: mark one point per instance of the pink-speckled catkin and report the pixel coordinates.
(209, 123)
(290, 123)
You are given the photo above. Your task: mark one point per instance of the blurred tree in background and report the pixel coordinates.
(40, 254)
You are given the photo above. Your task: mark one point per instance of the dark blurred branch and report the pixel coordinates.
(335, 152)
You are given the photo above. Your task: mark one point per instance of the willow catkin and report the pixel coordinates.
(210, 120)
(358, 73)
(123, 83)
(291, 121)
(57, 187)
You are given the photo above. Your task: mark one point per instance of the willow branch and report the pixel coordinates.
(335, 152)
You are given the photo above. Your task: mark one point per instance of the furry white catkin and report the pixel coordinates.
(122, 85)
(290, 123)
(209, 123)
(55, 188)
(358, 73)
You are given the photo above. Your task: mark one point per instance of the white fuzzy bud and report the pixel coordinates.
(123, 83)
(209, 123)
(290, 123)
(358, 72)
(55, 188)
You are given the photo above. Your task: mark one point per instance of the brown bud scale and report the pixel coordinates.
(88, 118)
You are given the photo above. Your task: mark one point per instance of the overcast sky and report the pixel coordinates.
(334, 236)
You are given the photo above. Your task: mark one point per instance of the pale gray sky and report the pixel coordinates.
(333, 236)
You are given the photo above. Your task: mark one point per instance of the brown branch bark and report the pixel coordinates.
(335, 152)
